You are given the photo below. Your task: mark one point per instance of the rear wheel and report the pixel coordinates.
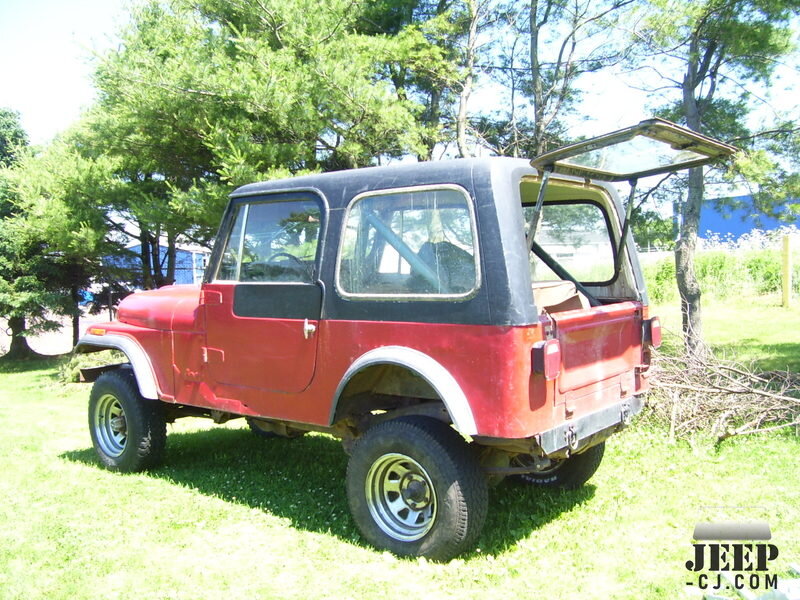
(415, 489)
(568, 473)
(128, 432)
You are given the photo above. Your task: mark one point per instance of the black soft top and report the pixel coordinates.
(504, 297)
(346, 184)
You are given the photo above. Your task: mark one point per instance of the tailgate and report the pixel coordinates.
(600, 350)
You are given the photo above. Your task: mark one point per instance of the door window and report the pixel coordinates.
(272, 242)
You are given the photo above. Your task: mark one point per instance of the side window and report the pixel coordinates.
(409, 243)
(576, 235)
(272, 242)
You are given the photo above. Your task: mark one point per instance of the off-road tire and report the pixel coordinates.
(443, 479)
(570, 473)
(129, 432)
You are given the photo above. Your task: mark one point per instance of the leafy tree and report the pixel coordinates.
(34, 282)
(713, 52)
(55, 238)
(12, 136)
(651, 230)
(44, 238)
(12, 139)
(203, 96)
(430, 68)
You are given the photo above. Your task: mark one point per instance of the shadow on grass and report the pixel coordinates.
(303, 480)
(37, 362)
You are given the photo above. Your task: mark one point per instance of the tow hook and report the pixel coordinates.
(572, 437)
(625, 414)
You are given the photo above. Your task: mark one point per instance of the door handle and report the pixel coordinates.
(308, 329)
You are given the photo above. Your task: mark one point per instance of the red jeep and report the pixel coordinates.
(450, 321)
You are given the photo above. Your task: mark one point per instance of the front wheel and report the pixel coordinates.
(568, 473)
(415, 489)
(128, 432)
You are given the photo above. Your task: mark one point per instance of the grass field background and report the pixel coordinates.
(752, 329)
(232, 515)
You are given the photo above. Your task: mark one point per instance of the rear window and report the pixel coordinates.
(415, 243)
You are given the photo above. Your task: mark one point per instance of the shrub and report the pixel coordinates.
(660, 280)
(764, 268)
(724, 273)
(721, 274)
(70, 371)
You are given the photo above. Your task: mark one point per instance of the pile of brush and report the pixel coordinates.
(702, 393)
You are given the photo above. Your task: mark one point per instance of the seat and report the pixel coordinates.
(454, 267)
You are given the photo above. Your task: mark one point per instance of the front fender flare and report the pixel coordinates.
(142, 368)
(439, 378)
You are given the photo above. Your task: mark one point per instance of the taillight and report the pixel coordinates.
(546, 358)
(652, 332)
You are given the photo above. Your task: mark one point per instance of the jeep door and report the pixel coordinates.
(263, 300)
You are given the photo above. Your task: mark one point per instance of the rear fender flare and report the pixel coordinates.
(438, 377)
(142, 368)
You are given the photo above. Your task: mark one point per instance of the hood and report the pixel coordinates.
(170, 308)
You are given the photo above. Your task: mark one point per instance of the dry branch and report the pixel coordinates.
(707, 394)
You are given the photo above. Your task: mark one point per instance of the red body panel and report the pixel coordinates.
(170, 308)
(157, 346)
(266, 367)
(246, 353)
(601, 349)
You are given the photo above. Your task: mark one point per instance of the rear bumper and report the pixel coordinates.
(577, 434)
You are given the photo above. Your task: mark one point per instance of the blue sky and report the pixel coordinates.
(45, 49)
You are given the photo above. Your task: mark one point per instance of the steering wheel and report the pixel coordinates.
(272, 258)
(292, 258)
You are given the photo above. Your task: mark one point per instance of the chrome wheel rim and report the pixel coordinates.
(110, 425)
(401, 497)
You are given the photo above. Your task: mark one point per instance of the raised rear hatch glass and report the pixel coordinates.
(652, 147)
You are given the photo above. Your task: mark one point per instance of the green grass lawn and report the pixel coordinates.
(751, 329)
(234, 516)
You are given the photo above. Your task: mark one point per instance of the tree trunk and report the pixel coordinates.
(433, 121)
(144, 253)
(171, 258)
(76, 315)
(19, 347)
(155, 251)
(466, 90)
(688, 286)
(537, 83)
